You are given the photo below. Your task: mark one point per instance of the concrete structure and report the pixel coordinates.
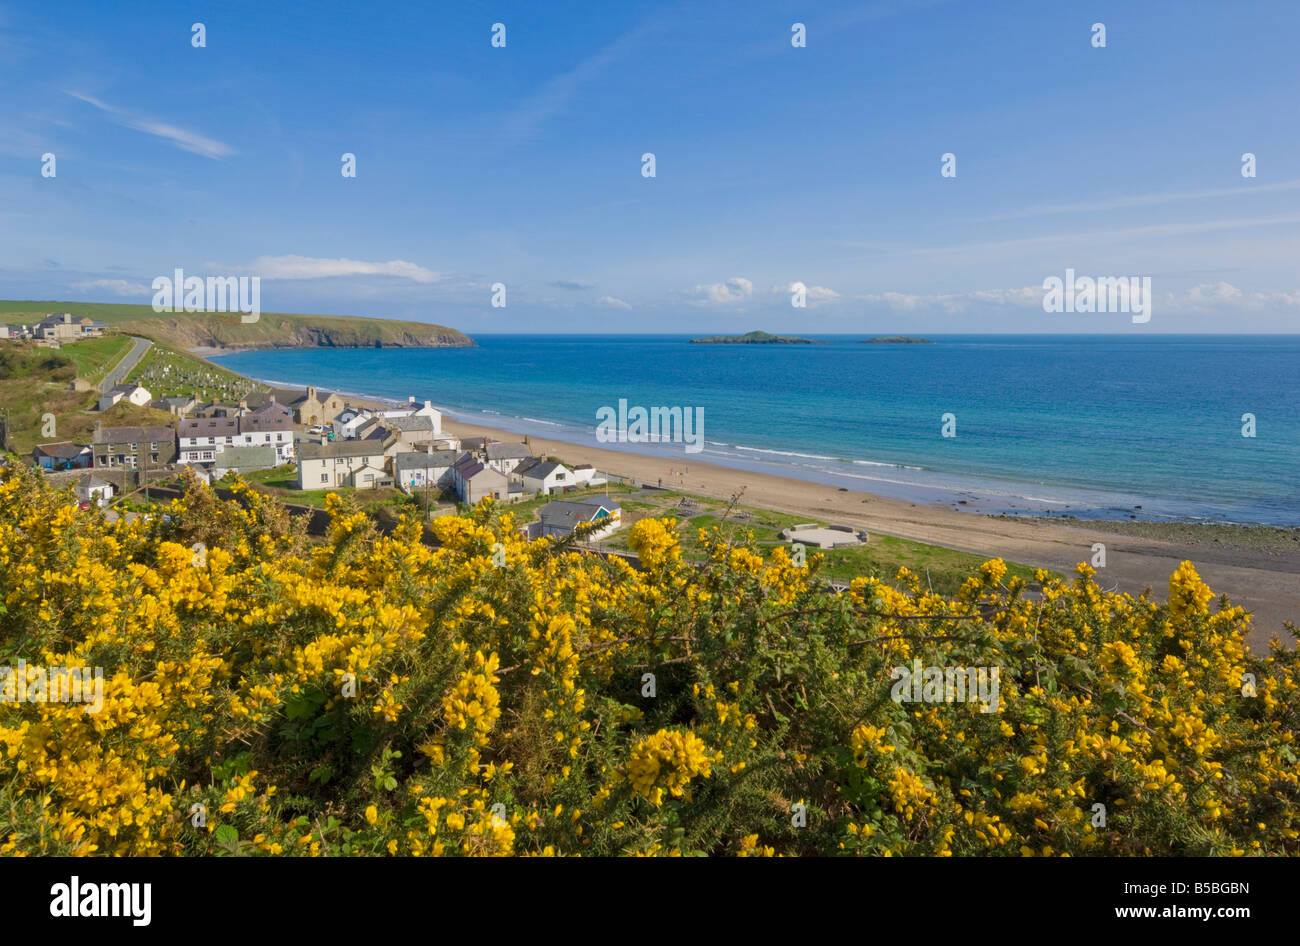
(588, 475)
(823, 537)
(133, 447)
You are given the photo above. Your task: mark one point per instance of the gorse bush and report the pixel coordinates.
(374, 695)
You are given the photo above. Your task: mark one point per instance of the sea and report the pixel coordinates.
(1160, 427)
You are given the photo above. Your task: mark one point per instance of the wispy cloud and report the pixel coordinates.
(187, 140)
(308, 267)
(526, 120)
(1144, 200)
(1189, 228)
(613, 303)
(569, 284)
(118, 287)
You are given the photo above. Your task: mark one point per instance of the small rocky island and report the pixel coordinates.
(896, 340)
(753, 338)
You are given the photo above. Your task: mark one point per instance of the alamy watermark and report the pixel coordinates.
(921, 684)
(654, 425)
(1102, 294)
(181, 293)
(23, 684)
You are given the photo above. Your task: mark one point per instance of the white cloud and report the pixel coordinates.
(188, 140)
(119, 287)
(308, 267)
(613, 303)
(1218, 294)
(1200, 298)
(957, 301)
(736, 289)
(811, 293)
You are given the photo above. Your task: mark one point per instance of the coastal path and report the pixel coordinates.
(123, 367)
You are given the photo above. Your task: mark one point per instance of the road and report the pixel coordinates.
(123, 367)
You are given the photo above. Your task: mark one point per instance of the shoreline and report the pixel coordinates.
(1257, 565)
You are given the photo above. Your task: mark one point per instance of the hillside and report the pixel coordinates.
(273, 330)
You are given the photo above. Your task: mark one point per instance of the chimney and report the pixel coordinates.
(410, 399)
(311, 392)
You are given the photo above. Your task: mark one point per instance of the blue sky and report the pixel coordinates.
(774, 164)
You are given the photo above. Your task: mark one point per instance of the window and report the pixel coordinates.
(558, 477)
(324, 477)
(153, 445)
(133, 447)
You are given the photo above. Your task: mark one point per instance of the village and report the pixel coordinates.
(329, 444)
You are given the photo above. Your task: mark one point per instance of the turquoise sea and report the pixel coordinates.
(1090, 426)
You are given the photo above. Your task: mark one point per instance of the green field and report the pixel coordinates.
(95, 357)
(186, 330)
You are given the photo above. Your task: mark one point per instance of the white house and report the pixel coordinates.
(268, 426)
(350, 420)
(326, 465)
(543, 476)
(200, 439)
(91, 489)
(414, 410)
(506, 457)
(134, 393)
(418, 470)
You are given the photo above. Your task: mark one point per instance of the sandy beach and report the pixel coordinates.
(1262, 575)
(1258, 567)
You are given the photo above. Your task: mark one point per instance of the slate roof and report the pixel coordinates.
(65, 450)
(508, 451)
(106, 435)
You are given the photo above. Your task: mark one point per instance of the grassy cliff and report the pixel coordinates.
(187, 330)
